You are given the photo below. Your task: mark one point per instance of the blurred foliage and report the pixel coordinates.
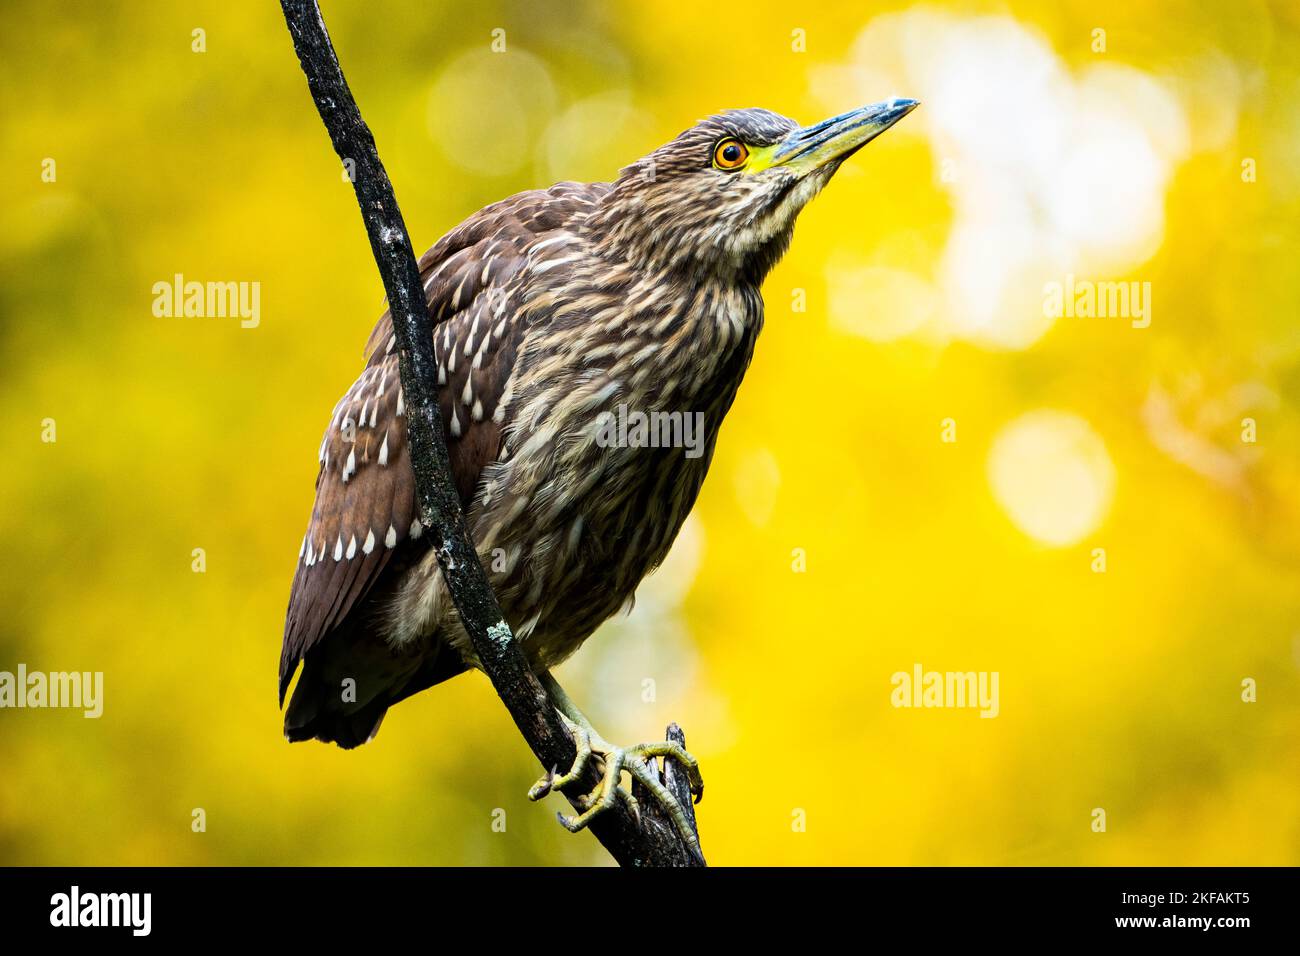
(1119, 690)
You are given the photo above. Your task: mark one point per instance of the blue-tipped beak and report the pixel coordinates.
(839, 137)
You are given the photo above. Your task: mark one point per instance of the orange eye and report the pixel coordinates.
(730, 154)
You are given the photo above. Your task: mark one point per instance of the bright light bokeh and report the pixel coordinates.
(1050, 472)
(1048, 171)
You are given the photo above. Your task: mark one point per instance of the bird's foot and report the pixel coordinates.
(640, 761)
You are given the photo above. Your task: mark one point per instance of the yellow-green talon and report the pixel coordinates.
(549, 782)
(640, 761)
(542, 787)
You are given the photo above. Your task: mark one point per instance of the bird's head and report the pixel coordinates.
(724, 195)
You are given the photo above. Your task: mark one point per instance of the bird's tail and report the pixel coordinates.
(307, 720)
(343, 701)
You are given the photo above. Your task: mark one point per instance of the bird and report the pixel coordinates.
(554, 313)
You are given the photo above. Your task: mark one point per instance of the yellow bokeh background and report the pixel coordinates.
(918, 469)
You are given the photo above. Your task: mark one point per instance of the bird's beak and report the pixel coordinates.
(839, 137)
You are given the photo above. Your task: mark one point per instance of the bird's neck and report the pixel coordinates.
(695, 331)
(665, 328)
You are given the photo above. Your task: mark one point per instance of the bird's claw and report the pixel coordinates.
(549, 781)
(641, 762)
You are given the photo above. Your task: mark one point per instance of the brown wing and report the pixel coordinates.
(365, 512)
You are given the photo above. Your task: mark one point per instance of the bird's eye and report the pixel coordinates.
(730, 154)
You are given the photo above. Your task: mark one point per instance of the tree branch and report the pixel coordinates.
(632, 842)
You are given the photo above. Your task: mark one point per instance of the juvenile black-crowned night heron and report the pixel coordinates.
(555, 312)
